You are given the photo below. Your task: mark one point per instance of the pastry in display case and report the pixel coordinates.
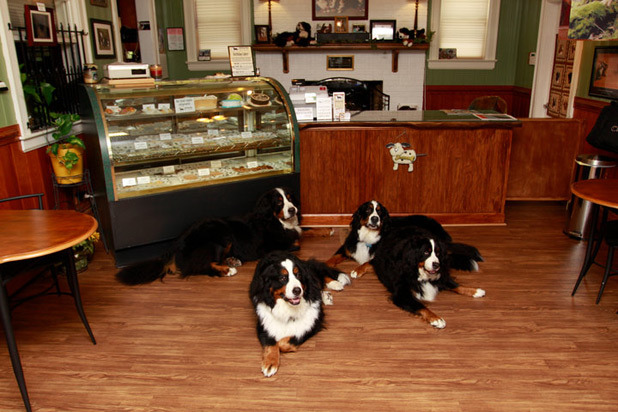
(157, 143)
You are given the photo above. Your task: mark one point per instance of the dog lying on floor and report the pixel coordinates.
(287, 294)
(216, 247)
(371, 221)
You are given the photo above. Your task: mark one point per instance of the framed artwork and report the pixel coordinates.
(100, 3)
(340, 62)
(341, 24)
(359, 28)
(604, 76)
(329, 9)
(262, 33)
(175, 38)
(103, 39)
(383, 29)
(40, 26)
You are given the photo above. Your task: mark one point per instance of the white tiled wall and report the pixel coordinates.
(405, 87)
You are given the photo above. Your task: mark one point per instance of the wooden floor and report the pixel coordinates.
(190, 345)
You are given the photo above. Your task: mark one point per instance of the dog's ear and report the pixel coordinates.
(259, 290)
(265, 204)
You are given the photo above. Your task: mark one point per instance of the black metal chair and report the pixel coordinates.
(611, 238)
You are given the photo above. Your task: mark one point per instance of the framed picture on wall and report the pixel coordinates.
(103, 39)
(604, 76)
(40, 26)
(327, 10)
(383, 29)
(262, 33)
(341, 24)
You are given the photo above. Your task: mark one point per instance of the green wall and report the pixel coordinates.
(517, 33)
(585, 69)
(7, 114)
(100, 13)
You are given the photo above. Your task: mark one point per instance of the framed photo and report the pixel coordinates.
(604, 76)
(175, 38)
(103, 39)
(359, 28)
(40, 26)
(100, 3)
(340, 62)
(328, 9)
(341, 24)
(262, 34)
(383, 29)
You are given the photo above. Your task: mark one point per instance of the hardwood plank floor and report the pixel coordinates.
(190, 345)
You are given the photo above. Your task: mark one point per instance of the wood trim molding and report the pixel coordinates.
(589, 104)
(9, 134)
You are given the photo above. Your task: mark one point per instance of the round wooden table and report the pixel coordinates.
(30, 234)
(599, 192)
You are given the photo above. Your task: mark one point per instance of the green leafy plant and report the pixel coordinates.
(63, 137)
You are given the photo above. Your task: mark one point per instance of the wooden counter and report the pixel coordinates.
(461, 179)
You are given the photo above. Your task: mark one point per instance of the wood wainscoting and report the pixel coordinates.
(460, 97)
(23, 173)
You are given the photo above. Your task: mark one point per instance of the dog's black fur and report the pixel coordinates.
(281, 298)
(371, 221)
(215, 247)
(413, 263)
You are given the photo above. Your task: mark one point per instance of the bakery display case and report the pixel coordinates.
(178, 151)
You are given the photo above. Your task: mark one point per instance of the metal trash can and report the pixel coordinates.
(578, 211)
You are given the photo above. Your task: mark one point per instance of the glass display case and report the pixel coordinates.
(175, 136)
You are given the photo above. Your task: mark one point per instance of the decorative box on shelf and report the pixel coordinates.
(342, 37)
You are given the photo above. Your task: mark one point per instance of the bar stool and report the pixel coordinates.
(84, 186)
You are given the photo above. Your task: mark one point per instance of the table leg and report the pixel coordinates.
(12, 345)
(590, 255)
(74, 286)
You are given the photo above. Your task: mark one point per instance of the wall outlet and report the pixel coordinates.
(532, 58)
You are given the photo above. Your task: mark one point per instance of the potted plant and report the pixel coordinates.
(84, 251)
(66, 152)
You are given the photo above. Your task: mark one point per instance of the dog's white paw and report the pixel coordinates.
(479, 293)
(344, 279)
(334, 285)
(269, 370)
(354, 274)
(327, 297)
(231, 272)
(475, 265)
(438, 323)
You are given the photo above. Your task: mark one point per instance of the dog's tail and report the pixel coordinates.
(464, 257)
(143, 272)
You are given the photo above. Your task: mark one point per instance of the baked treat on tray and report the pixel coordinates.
(260, 99)
(205, 102)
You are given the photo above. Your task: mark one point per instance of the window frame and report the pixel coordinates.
(191, 37)
(488, 63)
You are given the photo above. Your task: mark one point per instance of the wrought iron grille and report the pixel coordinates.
(60, 66)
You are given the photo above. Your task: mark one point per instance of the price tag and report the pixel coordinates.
(246, 135)
(197, 140)
(165, 136)
(168, 170)
(184, 105)
(215, 164)
(143, 180)
(253, 164)
(129, 181)
(140, 145)
(213, 132)
(304, 113)
(203, 172)
(148, 107)
(164, 106)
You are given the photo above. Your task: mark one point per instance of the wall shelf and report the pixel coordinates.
(395, 49)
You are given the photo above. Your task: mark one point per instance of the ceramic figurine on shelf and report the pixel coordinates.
(300, 37)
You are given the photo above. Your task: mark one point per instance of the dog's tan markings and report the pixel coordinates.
(468, 291)
(171, 268)
(431, 318)
(285, 345)
(223, 270)
(335, 260)
(270, 360)
(277, 293)
(362, 269)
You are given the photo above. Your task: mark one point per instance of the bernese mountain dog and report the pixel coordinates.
(372, 220)
(288, 297)
(216, 247)
(413, 263)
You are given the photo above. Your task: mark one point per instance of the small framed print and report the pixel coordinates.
(40, 26)
(340, 62)
(383, 29)
(341, 24)
(175, 38)
(359, 28)
(103, 38)
(262, 34)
